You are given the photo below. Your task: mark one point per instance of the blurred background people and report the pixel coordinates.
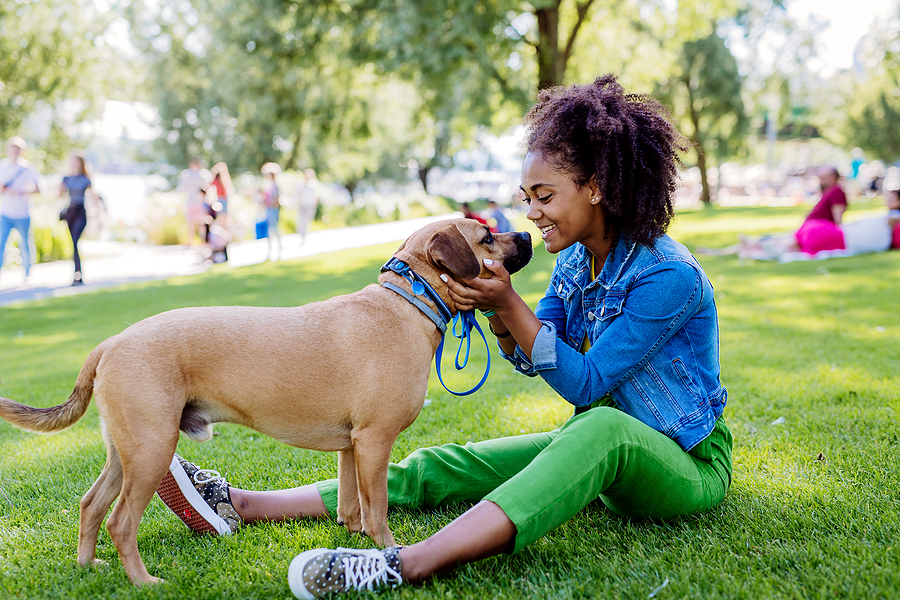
(221, 182)
(76, 184)
(18, 181)
(496, 219)
(892, 199)
(307, 202)
(194, 183)
(468, 213)
(271, 202)
(821, 229)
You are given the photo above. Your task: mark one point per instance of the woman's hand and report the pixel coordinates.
(492, 293)
(514, 322)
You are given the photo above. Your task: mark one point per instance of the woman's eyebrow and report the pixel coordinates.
(535, 187)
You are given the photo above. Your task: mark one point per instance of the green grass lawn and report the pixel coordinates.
(810, 356)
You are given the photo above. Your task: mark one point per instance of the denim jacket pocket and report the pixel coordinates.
(611, 306)
(564, 288)
(687, 380)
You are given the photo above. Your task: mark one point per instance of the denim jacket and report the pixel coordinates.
(651, 319)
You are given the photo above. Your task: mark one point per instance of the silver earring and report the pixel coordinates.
(595, 200)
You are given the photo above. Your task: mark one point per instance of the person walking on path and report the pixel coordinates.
(18, 181)
(626, 332)
(270, 197)
(77, 183)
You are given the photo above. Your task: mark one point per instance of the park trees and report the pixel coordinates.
(360, 89)
(705, 92)
(874, 115)
(55, 66)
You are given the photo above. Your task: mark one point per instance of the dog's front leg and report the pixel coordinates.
(373, 453)
(348, 512)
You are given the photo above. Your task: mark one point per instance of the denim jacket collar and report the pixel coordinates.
(577, 265)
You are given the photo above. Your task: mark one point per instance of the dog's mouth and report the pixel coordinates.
(523, 253)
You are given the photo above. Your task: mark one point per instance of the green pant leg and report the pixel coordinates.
(439, 475)
(605, 453)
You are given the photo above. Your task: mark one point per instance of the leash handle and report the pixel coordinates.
(466, 322)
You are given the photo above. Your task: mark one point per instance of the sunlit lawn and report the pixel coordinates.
(810, 355)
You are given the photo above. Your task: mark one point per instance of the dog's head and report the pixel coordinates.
(458, 247)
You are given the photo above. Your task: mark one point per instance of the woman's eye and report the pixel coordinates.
(545, 199)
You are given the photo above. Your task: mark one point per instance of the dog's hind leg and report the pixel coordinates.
(145, 459)
(348, 513)
(372, 451)
(95, 504)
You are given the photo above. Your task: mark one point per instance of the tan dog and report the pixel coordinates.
(347, 375)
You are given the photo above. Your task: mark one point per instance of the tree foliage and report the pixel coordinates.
(705, 95)
(55, 66)
(873, 119)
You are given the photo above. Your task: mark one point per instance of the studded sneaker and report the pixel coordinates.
(199, 497)
(319, 572)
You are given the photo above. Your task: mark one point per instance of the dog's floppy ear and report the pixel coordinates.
(450, 249)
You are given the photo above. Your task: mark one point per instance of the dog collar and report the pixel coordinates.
(419, 287)
(466, 319)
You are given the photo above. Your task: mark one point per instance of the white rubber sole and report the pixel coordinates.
(190, 507)
(295, 573)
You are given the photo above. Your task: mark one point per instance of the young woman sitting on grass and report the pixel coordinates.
(627, 332)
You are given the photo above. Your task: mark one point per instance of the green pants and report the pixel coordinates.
(542, 480)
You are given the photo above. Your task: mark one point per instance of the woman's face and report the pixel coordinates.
(76, 165)
(562, 210)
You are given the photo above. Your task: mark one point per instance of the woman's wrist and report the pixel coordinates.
(499, 335)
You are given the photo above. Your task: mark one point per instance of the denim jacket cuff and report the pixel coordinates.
(543, 352)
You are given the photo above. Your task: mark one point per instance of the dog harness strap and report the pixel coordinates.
(419, 285)
(441, 324)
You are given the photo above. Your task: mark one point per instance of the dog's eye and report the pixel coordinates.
(488, 239)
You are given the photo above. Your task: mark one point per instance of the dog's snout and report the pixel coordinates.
(522, 254)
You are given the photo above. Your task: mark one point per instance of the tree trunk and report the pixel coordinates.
(423, 176)
(551, 63)
(351, 187)
(705, 197)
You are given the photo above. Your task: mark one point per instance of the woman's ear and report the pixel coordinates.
(450, 250)
(596, 194)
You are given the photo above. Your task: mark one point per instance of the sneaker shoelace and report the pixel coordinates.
(204, 476)
(365, 568)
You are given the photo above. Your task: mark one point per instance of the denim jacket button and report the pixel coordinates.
(591, 316)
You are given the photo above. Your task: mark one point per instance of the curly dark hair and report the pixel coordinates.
(626, 141)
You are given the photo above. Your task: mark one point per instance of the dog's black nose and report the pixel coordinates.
(522, 254)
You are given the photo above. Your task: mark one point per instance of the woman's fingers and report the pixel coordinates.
(480, 292)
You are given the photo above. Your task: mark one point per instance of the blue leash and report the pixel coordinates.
(466, 322)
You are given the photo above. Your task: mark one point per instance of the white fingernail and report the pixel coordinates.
(444, 278)
(488, 261)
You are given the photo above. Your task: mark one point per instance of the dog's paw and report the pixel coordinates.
(353, 524)
(94, 562)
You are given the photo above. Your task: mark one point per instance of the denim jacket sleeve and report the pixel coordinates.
(658, 302)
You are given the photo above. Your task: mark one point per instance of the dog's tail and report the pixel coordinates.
(49, 420)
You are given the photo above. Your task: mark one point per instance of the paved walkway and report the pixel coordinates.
(112, 263)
